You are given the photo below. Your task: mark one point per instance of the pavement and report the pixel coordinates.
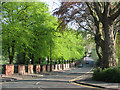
(26, 76)
(69, 78)
(87, 80)
(57, 79)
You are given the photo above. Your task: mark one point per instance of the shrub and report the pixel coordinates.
(107, 75)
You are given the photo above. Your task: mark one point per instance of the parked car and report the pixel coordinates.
(87, 62)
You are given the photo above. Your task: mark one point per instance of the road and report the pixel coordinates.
(57, 79)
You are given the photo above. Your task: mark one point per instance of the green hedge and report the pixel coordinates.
(107, 75)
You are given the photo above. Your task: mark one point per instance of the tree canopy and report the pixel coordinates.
(30, 32)
(99, 19)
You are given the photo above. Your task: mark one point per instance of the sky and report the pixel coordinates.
(52, 4)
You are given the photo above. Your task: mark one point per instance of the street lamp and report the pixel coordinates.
(30, 66)
(30, 61)
(46, 59)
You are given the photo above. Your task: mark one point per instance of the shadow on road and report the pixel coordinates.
(43, 81)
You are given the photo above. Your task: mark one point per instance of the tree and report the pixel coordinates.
(96, 18)
(30, 32)
(68, 46)
(24, 26)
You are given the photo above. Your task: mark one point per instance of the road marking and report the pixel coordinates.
(71, 81)
(81, 75)
(86, 86)
(37, 83)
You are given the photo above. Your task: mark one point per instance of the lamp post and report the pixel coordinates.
(30, 66)
(46, 59)
(30, 61)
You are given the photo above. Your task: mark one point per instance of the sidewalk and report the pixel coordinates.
(8, 78)
(87, 80)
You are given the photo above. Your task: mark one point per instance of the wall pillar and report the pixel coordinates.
(48, 67)
(21, 69)
(53, 68)
(59, 67)
(9, 69)
(37, 68)
(68, 65)
(56, 67)
(30, 69)
(63, 66)
(43, 68)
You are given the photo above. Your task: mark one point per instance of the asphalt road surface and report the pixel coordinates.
(59, 79)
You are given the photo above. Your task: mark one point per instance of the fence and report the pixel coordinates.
(30, 69)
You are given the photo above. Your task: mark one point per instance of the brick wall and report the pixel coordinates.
(43, 68)
(30, 69)
(64, 66)
(21, 69)
(48, 67)
(53, 68)
(37, 68)
(56, 67)
(61, 66)
(9, 69)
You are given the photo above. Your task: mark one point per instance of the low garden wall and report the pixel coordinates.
(30, 69)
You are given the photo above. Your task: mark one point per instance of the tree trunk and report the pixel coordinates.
(39, 60)
(11, 59)
(118, 50)
(32, 59)
(11, 52)
(99, 62)
(59, 60)
(24, 57)
(109, 46)
(48, 61)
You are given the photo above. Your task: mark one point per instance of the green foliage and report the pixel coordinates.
(30, 32)
(26, 23)
(68, 45)
(107, 75)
